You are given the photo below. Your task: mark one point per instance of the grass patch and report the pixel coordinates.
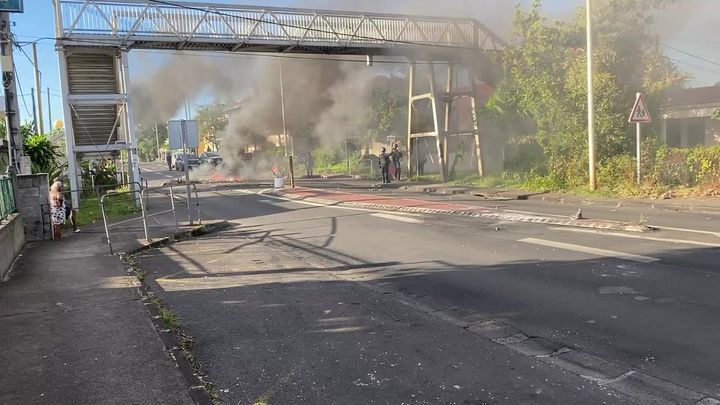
(428, 178)
(115, 206)
(508, 180)
(169, 317)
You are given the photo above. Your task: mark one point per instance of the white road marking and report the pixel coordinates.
(591, 250)
(632, 236)
(398, 218)
(264, 193)
(539, 214)
(668, 228)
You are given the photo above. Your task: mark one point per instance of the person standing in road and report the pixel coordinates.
(384, 162)
(396, 156)
(309, 164)
(57, 210)
(69, 211)
(168, 159)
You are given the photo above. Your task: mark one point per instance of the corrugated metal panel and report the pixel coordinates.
(93, 125)
(92, 73)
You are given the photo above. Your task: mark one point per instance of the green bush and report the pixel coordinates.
(617, 175)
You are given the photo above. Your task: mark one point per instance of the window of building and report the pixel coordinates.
(674, 133)
(695, 132)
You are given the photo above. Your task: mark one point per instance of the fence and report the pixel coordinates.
(160, 199)
(7, 197)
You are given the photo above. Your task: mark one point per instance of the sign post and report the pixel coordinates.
(183, 134)
(639, 115)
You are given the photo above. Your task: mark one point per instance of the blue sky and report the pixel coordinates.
(691, 27)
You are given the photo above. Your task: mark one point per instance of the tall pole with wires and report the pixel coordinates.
(34, 112)
(12, 119)
(40, 128)
(49, 106)
(282, 111)
(591, 112)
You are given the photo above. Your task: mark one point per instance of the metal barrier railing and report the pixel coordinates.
(7, 197)
(105, 219)
(172, 204)
(143, 199)
(98, 191)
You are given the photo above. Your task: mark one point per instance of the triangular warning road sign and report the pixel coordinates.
(640, 112)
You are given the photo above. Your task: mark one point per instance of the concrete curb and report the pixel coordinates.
(197, 388)
(190, 233)
(679, 205)
(483, 193)
(633, 382)
(502, 216)
(667, 205)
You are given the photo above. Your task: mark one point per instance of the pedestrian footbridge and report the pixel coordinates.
(95, 36)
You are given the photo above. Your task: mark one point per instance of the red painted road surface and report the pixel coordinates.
(339, 196)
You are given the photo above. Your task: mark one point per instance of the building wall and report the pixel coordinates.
(32, 204)
(689, 126)
(712, 132)
(689, 132)
(12, 240)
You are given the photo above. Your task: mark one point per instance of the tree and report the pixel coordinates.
(45, 157)
(212, 120)
(386, 113)
(147, 142)
(546, 83)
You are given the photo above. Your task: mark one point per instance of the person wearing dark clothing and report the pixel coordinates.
(168, 159)
(309, 164)
(396, 156)
(384, 162)
(421, 156)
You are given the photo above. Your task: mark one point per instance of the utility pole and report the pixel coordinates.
(49, 106)
(32, 96)
(12, 120)
(40, 128)
(157, 140)
(591, 112)
(282, 109)
(347, 159)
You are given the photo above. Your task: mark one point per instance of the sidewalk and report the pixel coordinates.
(700, 205)
(711, 205)
(75, 332)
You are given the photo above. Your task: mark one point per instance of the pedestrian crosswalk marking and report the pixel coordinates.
(398, 218)
(591, 250)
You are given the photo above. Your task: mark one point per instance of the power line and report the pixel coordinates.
(27, 110)
(693, 65)
(692, 55)
(26, 56)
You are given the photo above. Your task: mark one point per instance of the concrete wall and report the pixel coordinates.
(12, 240)
(32, 204)
(712, 132)
(710, 135)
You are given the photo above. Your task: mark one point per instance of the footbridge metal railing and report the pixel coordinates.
(162, 24)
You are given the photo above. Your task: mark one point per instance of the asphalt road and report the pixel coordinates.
(644, 301)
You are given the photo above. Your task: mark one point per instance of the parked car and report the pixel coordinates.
(211, 158)
(192, 162)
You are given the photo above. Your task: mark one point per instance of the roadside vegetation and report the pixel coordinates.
(542, 103)
(116, 206)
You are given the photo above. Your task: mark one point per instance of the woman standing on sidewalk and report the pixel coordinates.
(57, 210)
